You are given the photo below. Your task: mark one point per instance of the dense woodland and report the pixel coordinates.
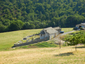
(30, 14)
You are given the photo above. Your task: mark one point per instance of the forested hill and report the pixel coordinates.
(28, 14)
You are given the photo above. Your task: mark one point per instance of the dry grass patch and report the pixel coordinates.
(67, 29)
(66, 55)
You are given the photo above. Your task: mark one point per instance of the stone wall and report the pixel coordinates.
(32, 42)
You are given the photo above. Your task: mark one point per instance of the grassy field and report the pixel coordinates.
(67, 29)
(51, 55)
(65, 55)
(7, 39)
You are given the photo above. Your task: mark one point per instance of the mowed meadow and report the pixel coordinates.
(7, 39)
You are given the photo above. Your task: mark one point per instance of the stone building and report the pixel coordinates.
(49, 32)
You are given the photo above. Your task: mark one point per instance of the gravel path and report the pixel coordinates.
(57, 39)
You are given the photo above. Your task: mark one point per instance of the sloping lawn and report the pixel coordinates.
(7, 39)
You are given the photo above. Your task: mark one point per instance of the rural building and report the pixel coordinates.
(57, 29)
(45, 34)
(81, 25)
(49, 32)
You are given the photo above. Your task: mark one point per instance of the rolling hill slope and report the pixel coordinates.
(41, 13)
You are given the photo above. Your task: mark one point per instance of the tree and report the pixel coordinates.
(2, 28)
(63, 13)
(16, 25)
(32, 26)
(26, 25)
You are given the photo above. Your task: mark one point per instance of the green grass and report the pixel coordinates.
(67, 29)
(8, 39)
(45, 44)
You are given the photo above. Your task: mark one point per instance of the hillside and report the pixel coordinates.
(8, 39)
(66, 55)
(28, 14)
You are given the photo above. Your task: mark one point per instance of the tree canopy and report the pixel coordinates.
(42, 13)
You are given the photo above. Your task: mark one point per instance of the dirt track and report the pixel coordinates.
(57, 39)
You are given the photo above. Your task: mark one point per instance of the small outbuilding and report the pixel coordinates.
(49, 32)
(81, 25)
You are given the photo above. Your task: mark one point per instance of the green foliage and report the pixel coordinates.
(63, 13)
(32, 26)
(26, 25)
(76, 38)
(2, 28)
(16, 25)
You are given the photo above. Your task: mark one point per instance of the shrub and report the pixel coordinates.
(76, 38)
